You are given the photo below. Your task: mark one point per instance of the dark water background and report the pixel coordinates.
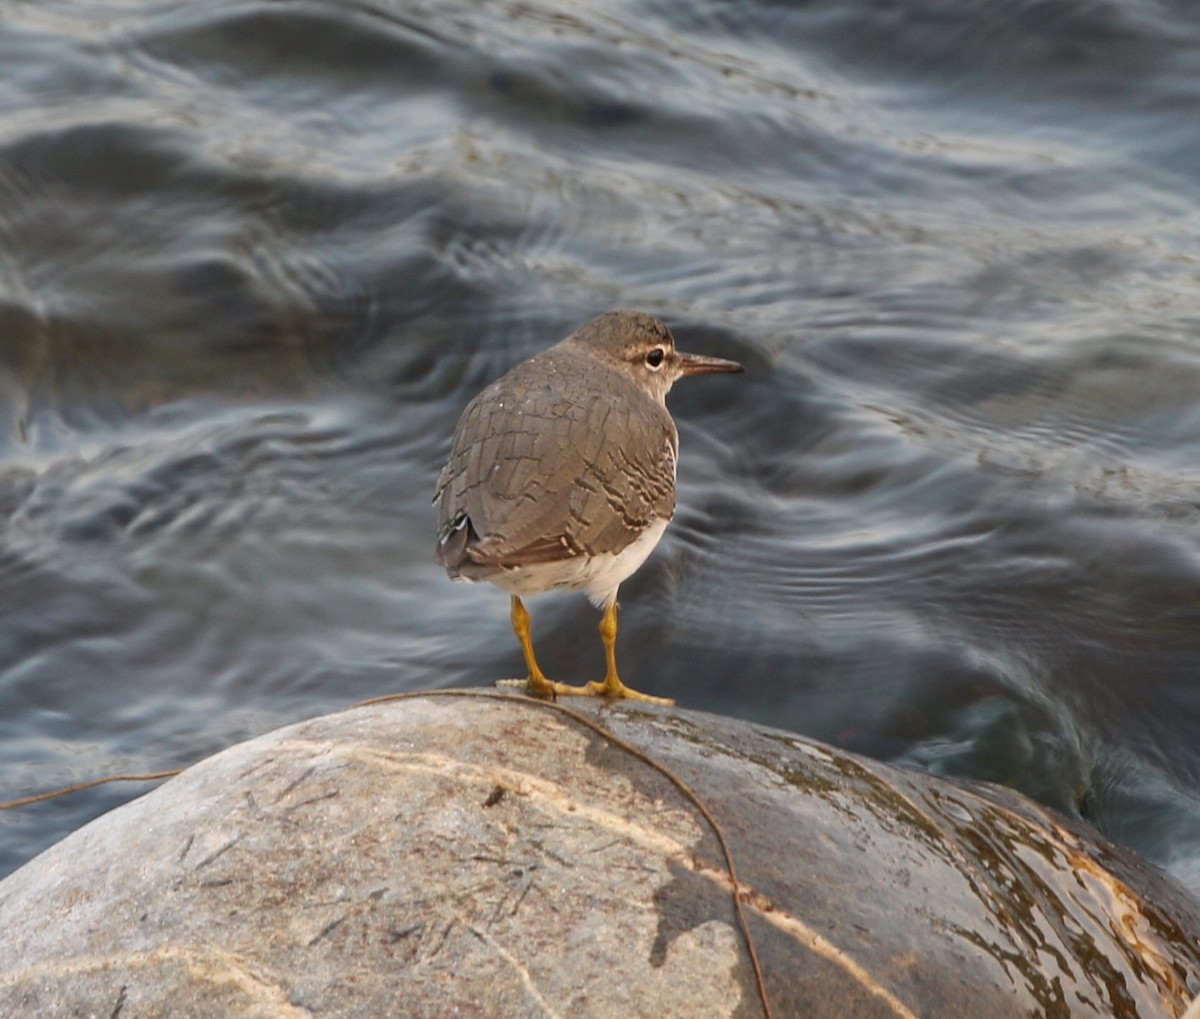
(256, 256)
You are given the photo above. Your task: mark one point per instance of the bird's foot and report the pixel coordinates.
(616, 690)
(545, 690)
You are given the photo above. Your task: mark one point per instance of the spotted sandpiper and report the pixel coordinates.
(562, 476)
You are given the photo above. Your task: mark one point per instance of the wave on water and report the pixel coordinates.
(255, 258)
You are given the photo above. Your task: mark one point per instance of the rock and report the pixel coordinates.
(486, 855)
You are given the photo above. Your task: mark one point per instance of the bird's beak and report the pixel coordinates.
(698, 364)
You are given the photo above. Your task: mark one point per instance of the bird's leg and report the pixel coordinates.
(537, 685)
(611, 685)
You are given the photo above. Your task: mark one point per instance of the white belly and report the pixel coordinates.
(599, 575)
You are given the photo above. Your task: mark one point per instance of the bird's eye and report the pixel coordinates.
(655, 357)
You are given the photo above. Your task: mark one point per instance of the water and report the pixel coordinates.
(255, 257)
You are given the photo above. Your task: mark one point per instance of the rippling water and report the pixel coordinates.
(256, 256)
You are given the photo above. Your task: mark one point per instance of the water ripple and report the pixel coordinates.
(255, 257)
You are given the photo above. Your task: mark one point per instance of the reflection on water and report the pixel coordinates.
(255, 258)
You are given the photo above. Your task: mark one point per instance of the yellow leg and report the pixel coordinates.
(537, 685)
(611, 686)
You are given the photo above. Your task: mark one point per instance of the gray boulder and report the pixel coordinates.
(493, 856)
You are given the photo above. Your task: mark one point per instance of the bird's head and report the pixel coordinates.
(643, 346)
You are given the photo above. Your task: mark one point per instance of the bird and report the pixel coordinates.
(561, 476)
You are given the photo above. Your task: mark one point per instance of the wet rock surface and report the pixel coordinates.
(494, 856)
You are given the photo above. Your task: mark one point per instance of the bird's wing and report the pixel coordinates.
(538, 475)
